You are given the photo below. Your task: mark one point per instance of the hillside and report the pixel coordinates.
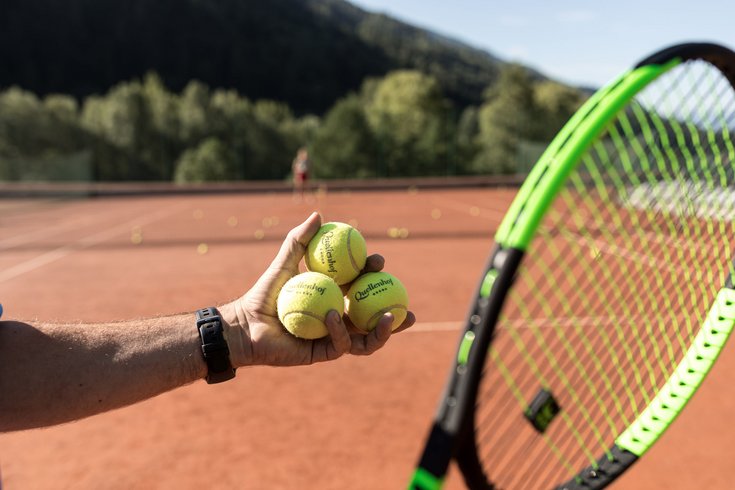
(307, 53)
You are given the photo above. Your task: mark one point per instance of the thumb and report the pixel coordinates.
(294, 246)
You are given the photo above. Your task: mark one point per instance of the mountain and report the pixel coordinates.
(307, 53)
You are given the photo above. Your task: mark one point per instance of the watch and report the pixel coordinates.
(214, 346)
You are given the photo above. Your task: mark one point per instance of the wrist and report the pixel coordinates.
(236, 333)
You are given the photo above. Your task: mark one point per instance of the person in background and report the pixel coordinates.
(300, 170)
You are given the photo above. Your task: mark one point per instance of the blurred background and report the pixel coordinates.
(229, 90)
(192, 91)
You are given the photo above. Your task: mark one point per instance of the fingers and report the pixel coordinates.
(344, 337)
(407, 323)
(351, 328)
(341, 341)
(363, 345)
(294, 245)
(374, 263)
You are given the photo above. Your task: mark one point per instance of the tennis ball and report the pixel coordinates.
(305, 300)
(371, 296)
(337, 250)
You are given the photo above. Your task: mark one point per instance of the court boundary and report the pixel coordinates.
(16, 190)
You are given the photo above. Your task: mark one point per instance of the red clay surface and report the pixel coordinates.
(355, 423)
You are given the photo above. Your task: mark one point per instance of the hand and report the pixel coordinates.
(256, 336)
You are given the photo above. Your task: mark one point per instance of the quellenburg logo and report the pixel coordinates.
(329, 251)
(373, 286)
(306, 288)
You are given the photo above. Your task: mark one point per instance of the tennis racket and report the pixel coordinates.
(609, 293)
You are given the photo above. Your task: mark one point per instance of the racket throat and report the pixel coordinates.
(601, 474)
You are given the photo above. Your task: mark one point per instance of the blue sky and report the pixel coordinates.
(581, 42)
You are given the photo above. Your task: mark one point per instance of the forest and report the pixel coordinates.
(394, 126)
(213, 90)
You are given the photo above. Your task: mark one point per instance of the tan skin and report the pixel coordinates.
(54, 373)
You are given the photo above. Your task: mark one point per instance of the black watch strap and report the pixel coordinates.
(214, 346)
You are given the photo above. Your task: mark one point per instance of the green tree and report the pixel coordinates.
(556, 103)
(344, 146)
(122, 119)
(62, 108)
(468, 130)
(269, 141)
(508, 117)
(194, 115)
(39, 139)
(212, 160)
(272, 112)
(163, 143)
(411, 121)
(23, 123)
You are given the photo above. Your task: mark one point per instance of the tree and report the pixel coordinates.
(212, 160)
(468, 129)
(556, 103)
(410, 118)
(39, 139)
(163, 143)
(344, 146)
(268, 141)
(194, 117)
(122, 119)
(517, 120)
(508, 116)
(62, 108)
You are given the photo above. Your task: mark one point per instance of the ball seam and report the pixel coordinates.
(385, 310)
(349, 250)
(307, 262)
(307, 313)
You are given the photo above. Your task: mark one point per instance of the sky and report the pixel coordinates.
(579, 42)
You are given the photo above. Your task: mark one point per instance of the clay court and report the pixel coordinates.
(355, 423)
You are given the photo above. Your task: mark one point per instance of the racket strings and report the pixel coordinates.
(644, 265)
(654, 221)
(508, 459)
(571, 363)
(601, 292)
(578, 438)
(616, 283)
(585, 367)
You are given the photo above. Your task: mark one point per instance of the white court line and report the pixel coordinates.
(570, 322)
(86, 242)
(529, 323)
(46, 231)
(437, 327)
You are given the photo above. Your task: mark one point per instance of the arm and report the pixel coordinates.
(54, 373)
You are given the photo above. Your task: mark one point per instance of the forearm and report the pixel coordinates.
(54, 373)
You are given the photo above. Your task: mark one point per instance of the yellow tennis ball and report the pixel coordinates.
(373, 295)
(337, 250)
(305, 300)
